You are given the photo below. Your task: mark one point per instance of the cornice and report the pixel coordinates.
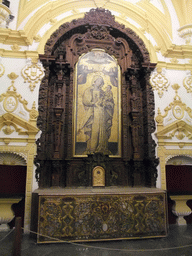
(175, 66)
(179, 51)
(18, 122)
(7, 141)
(18, 54)
(9, 36)
(181, 145)
(163, 133)
(35, 54)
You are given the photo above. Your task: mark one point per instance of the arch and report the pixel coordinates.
(164, 156)
(138, 13)
(104, 19)
(179, 160)
(12, 158)
(98, 176)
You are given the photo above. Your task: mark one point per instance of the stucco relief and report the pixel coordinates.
(176, 113)
(9, 158)
(174, 132)
(14, 112)
(32, 73)
(159, 82)
(187, 82)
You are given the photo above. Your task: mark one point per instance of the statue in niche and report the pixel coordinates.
(97, 108)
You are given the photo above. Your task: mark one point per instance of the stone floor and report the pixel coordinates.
(177, 243)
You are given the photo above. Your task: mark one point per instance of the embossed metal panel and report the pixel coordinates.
(101, 217)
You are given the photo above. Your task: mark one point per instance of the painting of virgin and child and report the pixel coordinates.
(97, 108)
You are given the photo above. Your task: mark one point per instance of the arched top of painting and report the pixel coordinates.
(101, 18)
(99, 63)
(97, 56)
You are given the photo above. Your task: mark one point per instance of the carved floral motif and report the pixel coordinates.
(101, 17)
(98, 32)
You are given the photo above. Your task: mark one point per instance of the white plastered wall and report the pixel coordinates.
(17, 64)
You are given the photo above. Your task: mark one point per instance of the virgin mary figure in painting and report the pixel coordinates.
(99, 108)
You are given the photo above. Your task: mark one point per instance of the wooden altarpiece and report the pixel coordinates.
(56, 164)
(55, 161)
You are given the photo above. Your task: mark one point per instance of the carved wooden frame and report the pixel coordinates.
(55, 162)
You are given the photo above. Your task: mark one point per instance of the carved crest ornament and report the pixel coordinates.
(72, 72)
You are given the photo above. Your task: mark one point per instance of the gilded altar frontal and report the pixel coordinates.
(97, 105)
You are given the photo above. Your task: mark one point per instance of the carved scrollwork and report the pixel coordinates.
(95, 17)
(98, 32)
(98, 29)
